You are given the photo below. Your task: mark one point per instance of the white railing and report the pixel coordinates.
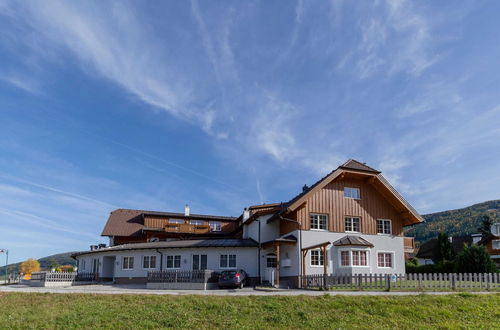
(416, 282)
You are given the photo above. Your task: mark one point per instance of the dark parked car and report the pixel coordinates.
(233, 278)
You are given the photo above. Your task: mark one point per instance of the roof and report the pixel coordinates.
(352, 240)
(291, 239)
(130, 223)
(358, 167)
(177, 244)
(353, 164)
(426, 250)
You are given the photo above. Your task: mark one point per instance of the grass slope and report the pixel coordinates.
(58, 311)
(454, 222)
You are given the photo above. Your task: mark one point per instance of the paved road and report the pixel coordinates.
(140, 289)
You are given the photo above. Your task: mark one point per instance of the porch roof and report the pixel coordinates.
(352, 240)
(289, 239)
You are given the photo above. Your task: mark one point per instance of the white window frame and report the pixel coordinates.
(383, 227)
(352, 224)
(495, 229)
(392, 259)
(173, 256)
(215, 225)
(348, 192)
(199, 261)
(311, 215)
(128, 262)
(495, 244)
(176, 221)
(149, 261)
(228, 257)
(197, 222)
(351, 264)
(320, 264)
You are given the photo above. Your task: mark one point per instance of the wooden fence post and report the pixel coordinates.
(388, 281)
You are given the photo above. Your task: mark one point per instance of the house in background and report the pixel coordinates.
(491, 242)
(349, 222)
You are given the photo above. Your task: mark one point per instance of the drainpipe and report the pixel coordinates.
(260, 261)
(161, 259)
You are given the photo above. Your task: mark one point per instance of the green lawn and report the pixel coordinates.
(24, 310)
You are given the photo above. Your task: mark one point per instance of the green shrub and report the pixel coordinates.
(474, 259)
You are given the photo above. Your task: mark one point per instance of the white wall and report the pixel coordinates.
(246, 259)
(382, 243)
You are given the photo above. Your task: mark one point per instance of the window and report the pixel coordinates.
(352, 224)
(178, 221)
(271, 260)
(496, 244)
(360, 258)
(199, 261)
(352, 193)
(149, 262)
(173, 262)
(344, 258)
(317, 258)
(228, 261)
(83, 264)
(197, 222)
(384, 226)
(384, 260)
(215, 226)
(96, 263)
(495, 229)
(128, 263)
(319, 221)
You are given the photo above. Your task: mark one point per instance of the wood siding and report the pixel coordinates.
(331, 201)
(489, 247)
(160, 222)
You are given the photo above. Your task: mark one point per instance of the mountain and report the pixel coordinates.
(454, 222)
(45, 262)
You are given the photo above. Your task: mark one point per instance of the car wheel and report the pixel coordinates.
(242, 285)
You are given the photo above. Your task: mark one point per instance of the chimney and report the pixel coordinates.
(304, 188)
(186, 210)
(476, 238)
(246, 214)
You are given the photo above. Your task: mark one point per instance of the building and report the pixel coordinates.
(490, 241)
(349, 222)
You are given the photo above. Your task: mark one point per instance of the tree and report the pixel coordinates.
(485, 228)
(443, 250)
(29, 266)
(474, 259)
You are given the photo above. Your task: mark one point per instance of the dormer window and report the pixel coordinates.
(350, 192)
(197, 222)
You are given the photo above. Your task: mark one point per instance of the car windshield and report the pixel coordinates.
(229, 272)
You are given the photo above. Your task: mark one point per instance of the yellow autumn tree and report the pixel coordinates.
(29, 266)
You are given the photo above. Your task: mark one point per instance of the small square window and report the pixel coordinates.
(227, 261)
(128, 263)
(353, 224)
(215, 226)
(384, 260)
(496, 244)
(319, 221)
(384, 226)
(344, 258)
(149, 262)
(173, 262)
(352, 193)
(317, 258)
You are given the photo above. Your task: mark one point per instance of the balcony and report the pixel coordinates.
(409, 244)
(187, 228)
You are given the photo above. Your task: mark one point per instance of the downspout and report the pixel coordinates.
(259, 261)
(161, 259)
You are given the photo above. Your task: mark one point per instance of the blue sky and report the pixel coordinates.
(224, 104)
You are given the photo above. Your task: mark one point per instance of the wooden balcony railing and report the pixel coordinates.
(409, 244)
(186, 228)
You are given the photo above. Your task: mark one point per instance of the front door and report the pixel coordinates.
(199, 261)
(270, 270)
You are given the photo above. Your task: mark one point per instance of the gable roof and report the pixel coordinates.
(130, 223)
(352, 166)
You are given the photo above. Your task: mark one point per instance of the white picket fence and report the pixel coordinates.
(416, 282)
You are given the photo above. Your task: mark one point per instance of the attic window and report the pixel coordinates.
(352, 193)
(495, 229)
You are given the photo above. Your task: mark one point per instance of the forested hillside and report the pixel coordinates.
(455, 222)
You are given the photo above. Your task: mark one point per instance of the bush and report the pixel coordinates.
(474, 259)
(29, 266)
